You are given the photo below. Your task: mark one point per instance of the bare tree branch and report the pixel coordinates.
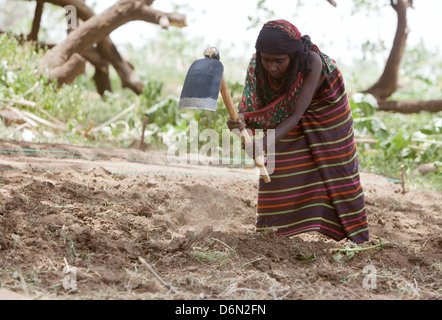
(96, 29)
(388, 82)
(411, 106)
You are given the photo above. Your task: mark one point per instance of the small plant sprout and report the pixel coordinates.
(350, 252)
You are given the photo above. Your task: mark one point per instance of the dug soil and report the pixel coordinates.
(90, 223)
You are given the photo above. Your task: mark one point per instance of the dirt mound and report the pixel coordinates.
(74, 223)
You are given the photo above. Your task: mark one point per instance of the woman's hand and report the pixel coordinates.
(255, 148)
(239, 124)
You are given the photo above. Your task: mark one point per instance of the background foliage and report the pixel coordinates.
(408, 140)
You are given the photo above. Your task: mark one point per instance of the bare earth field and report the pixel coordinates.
(89, 223)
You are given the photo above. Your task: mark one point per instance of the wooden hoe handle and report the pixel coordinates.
(244, 134)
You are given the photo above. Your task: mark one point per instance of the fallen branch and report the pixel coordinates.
(21, 102)
(34, 120)
(32, 104)
(44, 122)
(409, 107)
(20, 114)
(10, 117)
(22, 126)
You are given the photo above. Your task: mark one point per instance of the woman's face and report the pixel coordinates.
(275, 65)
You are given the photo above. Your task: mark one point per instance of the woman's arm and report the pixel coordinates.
(311, 84)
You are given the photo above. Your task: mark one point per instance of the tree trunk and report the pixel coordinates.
(33, 35)
(66, 73)
(124, 68)
(388, 82)
(101, 76)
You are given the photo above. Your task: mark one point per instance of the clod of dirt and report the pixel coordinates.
(110, 278)
(99, 172)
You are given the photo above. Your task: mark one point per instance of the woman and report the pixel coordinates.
(294, 88)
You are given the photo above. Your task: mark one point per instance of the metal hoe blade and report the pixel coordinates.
(202, 84)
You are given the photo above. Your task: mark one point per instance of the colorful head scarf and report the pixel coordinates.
(279, 37)
(267, 111)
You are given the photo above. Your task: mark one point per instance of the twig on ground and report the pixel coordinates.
(52, 265)
(251, 261)
(233, 288)
(426, 242)
(230, 248)
(23, 284)
(273, 292)
(148, 266)
(351, 291)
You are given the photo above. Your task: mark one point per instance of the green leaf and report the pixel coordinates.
(304, 259)
(366, 103)
(337, 257)
(426, 131)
